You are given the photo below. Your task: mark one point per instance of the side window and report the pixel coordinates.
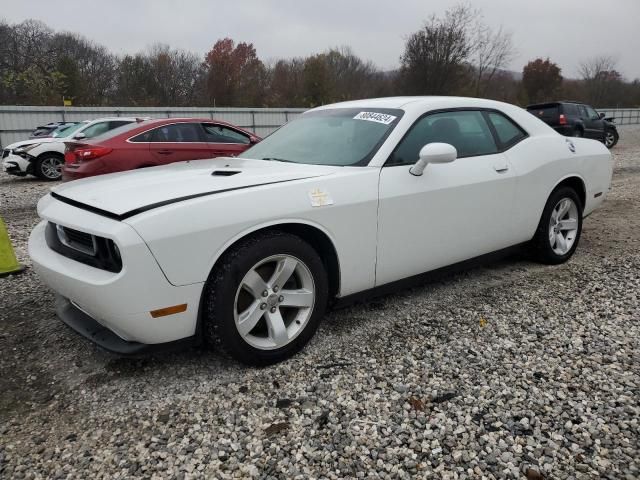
(221, 134)
(143, 137)
(96, 129)
(583, 111)
(466, 130)
(593, 115)
(118, 123)
(570, 110)
(508, 132)
(177, 133)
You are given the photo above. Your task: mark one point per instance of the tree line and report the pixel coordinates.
(452, 54)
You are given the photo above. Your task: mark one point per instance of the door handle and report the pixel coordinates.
(165, 152)
(501, 168)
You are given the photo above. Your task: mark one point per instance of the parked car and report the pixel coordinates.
(43, 157)
(154, 142)
(47, 130)
(248, 252)
(574, 119)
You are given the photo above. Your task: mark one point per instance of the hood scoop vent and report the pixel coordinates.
(224, 173)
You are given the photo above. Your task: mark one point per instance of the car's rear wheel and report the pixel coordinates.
(578, 132)
(610, 138)
(560, 226)
(48, 167)
(264, 300)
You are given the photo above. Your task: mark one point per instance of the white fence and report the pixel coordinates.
(16, 122)
(623, 116)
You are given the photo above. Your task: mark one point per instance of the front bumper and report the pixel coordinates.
(16, 165)
(86, 326)
(120, 302)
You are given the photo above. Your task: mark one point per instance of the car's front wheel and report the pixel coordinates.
(265, 298)
(610, 138)
(48, 167)
(560, 226)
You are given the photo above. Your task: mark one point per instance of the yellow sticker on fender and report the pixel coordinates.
(320, 197)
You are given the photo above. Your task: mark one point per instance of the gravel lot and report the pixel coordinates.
(513, 370)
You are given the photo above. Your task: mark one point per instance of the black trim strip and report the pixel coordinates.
(152, 206)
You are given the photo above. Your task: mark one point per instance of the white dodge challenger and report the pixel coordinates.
(248, 252)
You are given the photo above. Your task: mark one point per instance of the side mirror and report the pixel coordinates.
(79, 136)
(602, 115)
(433, 153)
(253, 140)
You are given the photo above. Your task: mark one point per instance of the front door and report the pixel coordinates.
(177, 142)
(454, 211)
(225, 141)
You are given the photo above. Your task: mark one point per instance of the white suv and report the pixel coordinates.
(44, 157)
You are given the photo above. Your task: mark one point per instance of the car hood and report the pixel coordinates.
(33, 141)
(122, 195)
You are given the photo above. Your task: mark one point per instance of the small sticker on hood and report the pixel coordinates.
(375, 117)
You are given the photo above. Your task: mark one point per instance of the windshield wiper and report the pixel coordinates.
(275, 159)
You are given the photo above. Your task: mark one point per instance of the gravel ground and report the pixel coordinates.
(513, 370)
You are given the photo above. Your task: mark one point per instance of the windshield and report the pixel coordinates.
(67, 130)
(338, 136)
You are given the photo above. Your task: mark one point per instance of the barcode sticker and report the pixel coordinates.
(375, 117)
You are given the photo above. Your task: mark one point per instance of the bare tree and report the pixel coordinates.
(493, 51)
(601, 78)
(434, 59)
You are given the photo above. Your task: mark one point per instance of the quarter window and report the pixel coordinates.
(222, 134)
(466, 130)
(508, 132)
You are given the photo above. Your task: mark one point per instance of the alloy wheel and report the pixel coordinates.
(609, 139)
(563, 226)
(274, 302)
(51, 168)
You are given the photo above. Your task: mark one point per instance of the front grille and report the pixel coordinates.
(98, 252)
(5, 153)
(77, 240)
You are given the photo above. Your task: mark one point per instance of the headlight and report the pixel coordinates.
(26, 148)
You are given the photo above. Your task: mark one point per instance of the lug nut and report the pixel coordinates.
(265, 294)
(263, 306)
(275, 289)
(281, 298)
(273, 309)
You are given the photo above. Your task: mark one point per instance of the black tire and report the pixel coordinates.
(541, 246)
(41, 164)
(219, 326)
(615, 137)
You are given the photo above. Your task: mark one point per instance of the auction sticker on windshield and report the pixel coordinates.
(375, 117)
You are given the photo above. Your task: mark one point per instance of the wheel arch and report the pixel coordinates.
(574, 181)
(316, 235)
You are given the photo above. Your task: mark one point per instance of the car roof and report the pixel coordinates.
(425, 102)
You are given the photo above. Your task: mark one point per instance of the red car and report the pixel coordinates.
(148, 143)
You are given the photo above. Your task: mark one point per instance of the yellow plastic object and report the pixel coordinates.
(8, 262)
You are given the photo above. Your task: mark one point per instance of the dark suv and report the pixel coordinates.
(574, 119)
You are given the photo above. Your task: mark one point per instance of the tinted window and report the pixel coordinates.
(591, 112)
(221, 134)
(546, 112)
(177, 133)
(118, 123)
(336, 136)
(96, 129)
(570, 110)
(583, 111)
(508, 132)
(465, 130)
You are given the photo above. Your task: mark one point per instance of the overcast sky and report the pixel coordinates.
(567, 31)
